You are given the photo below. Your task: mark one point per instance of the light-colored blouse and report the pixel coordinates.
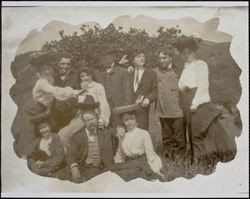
(97, 91)
(44, 145)
(44, 93)
(137, 143)
(195, 75)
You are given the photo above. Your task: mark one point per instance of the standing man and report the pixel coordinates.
(115, 80)
(168, 106)
(66, 77)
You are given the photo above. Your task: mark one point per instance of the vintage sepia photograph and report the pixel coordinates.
(125, 99)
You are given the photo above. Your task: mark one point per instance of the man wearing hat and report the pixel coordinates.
(168, 105)
(45, 154)
(115, 80)
(90, 151)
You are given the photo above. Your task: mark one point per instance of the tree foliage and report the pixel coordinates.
(90, 44)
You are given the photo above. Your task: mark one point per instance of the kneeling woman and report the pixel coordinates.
(45, 155)
(135, 157)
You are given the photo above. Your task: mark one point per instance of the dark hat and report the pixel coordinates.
(125, 109)
(40, 58)
(113, 51)
(187, 42)
(88, 103)
(41, 118)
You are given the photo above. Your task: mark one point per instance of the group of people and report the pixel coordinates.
(81, 123)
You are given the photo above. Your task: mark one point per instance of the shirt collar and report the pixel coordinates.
(63, 77)
(90, 136)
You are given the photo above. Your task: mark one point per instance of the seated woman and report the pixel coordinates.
(43, 94)
(135, 157)
(45, 155)
(97, 91)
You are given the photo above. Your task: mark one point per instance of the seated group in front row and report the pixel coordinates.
(91, 151)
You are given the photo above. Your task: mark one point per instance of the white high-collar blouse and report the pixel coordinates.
(196, 75)
(137, 143)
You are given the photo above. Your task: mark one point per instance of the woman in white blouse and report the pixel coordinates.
(200, 113)
(136, 157)
(97, 91)
(43, 94)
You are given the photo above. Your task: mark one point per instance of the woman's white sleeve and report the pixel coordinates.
(202, 93)
(120, 155)
(104, 110)
(153, 159)
(58, 92)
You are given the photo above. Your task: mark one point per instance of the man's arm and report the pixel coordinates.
(126, 88)
(73, 149)
(153, 94)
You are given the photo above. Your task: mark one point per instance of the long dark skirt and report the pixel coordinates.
(210, 142)
(47, 171)
(134, 168)
(22, 129)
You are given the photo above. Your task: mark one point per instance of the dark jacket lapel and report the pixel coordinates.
(143, 79)
(100, 140)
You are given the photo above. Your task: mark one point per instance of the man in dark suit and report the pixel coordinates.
(115, 80)
(90, 152)
(66, 77)
(143, 85)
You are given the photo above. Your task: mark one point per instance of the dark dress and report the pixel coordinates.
(52, 163)
(22, 129)
(210, 142)
(134, 168)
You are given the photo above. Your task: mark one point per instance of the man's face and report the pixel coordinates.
(129, 120)
(45, 130)
(90, 120)
(165, 60)
(65, 65)
(107, 61)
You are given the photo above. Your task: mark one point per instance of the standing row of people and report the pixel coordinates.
(102, 117)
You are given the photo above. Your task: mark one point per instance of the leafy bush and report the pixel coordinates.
(90, 44)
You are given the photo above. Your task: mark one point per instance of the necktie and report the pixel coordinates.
(136, 79)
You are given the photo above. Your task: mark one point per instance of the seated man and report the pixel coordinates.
(135, 157)
(45, 155)
(90, 152)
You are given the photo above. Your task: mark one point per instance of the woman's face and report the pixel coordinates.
(188, 55)
(45, 130)
(84, 77)
(129, 121)
(47, 74)
(139, 59)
